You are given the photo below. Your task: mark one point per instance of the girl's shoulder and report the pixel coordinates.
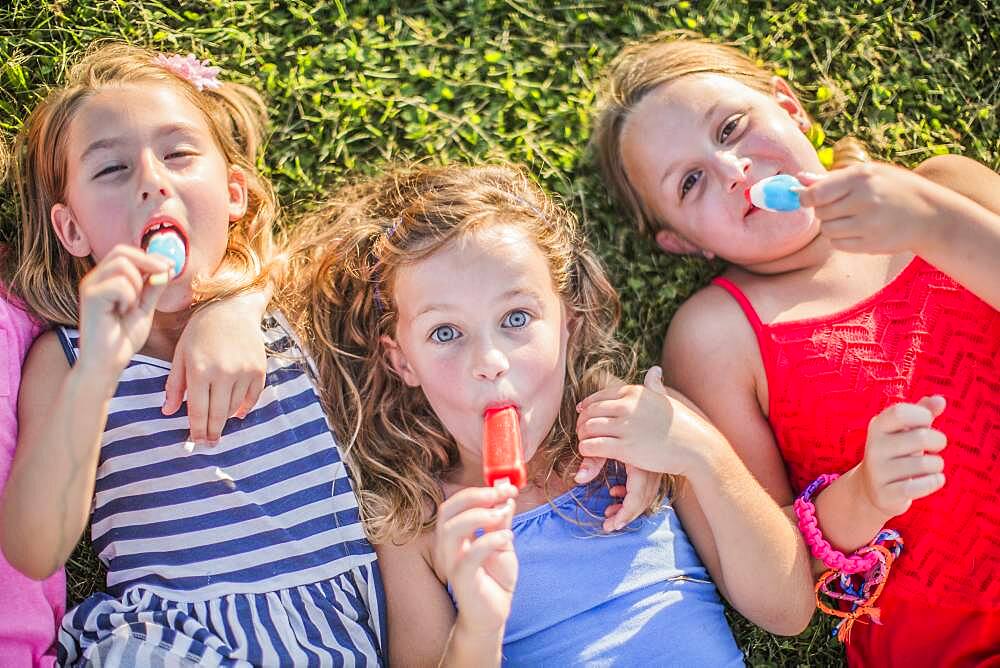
(711, 343)
(413, 556)
(710, 321)
(47, 354)
(45, 368)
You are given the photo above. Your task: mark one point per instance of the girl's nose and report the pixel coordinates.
(491, 363)
(735, 170)
(152, 180)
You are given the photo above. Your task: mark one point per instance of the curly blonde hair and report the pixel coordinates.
(344, 261)
(47, 277)
(656, 60)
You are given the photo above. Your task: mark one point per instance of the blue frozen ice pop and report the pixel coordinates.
(168, 244)
(775, 193)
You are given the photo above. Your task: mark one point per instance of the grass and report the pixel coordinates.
(352, 85)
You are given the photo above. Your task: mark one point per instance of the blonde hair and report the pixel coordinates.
(641, 67)
(345, 260)
(47, 277)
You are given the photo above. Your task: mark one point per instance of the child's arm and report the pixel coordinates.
(481, 570)
(880, 208)
(220, 363)
(62, 411)
(754, 553)
(413, 592)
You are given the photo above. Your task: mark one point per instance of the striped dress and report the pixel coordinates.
(248, 553)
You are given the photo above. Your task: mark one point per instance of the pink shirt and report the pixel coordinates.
(30, 611)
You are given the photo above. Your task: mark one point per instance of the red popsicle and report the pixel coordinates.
(502, 455)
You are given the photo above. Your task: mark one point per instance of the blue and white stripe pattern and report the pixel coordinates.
(251, 551)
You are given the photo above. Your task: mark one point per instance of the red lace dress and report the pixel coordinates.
(921, 334)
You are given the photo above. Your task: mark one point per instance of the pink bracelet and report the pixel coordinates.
(805, 510)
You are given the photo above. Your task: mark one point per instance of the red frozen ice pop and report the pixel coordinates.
(502, 456)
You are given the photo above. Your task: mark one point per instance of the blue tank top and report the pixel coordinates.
(638, 597)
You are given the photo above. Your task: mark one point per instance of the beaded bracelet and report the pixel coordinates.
(832, 558)
(860, 577)
(861, 604)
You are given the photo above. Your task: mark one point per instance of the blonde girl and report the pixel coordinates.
(248, 553)
(440, 293)
(857, 336)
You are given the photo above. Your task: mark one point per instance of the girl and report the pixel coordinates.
(213, 358)
(217, 353)
(248, 553)
(31, 610)
(451, 291)
(837, 327)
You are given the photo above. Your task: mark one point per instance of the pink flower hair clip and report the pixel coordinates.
(198, 72)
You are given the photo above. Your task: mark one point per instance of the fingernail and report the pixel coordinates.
(159, 279)
(189, 447)
(813, 176)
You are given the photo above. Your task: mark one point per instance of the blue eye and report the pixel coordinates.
(729, 128)
(516, 319)
(444, 334)
(689, 182)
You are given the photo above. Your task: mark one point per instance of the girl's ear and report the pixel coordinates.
(788, 101)
(69, 232)
(238, 196)
(398, 361)
(674, 243)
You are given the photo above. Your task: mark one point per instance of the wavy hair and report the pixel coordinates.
(47, 277)
(645, 65)
(345, 257)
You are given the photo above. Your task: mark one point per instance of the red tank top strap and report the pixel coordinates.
(764, 342)
(741, 299)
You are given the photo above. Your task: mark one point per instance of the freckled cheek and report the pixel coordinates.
(451, 397)
(778, 142)
(104, 224)
(440, 376)
(544, 368)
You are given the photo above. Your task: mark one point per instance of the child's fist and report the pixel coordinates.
(902, 456)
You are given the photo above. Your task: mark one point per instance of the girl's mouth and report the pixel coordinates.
(160, 226)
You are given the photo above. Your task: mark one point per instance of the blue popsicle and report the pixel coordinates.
(775, 193)
(168, 244)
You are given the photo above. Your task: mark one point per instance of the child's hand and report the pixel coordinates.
(482, 571)
(636, 495)
(901, 463)
(873, 207)
(221, 363)
(642, 426)
(117, 305)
